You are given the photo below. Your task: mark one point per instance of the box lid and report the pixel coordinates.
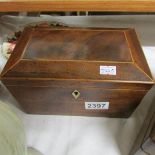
(78, 53)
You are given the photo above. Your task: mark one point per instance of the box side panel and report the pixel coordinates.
(17, 54)
(137, 52)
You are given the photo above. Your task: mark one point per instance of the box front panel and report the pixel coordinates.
(79, 100)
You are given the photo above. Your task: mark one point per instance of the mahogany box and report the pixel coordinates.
(78, 71)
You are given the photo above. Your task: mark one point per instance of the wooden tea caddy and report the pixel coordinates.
(78, 71)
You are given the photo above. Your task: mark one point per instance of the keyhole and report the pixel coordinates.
(76, 94)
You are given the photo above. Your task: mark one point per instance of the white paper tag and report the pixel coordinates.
(97, 105)
(108, 70)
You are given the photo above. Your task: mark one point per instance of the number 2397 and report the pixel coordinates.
(96, 105)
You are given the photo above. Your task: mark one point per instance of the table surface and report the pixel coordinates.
(78, 5)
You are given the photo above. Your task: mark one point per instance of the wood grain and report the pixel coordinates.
(76, 5)
(77, 53)
(49, 63)
(59, 100)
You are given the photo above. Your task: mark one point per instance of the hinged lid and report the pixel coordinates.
(78, 53)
